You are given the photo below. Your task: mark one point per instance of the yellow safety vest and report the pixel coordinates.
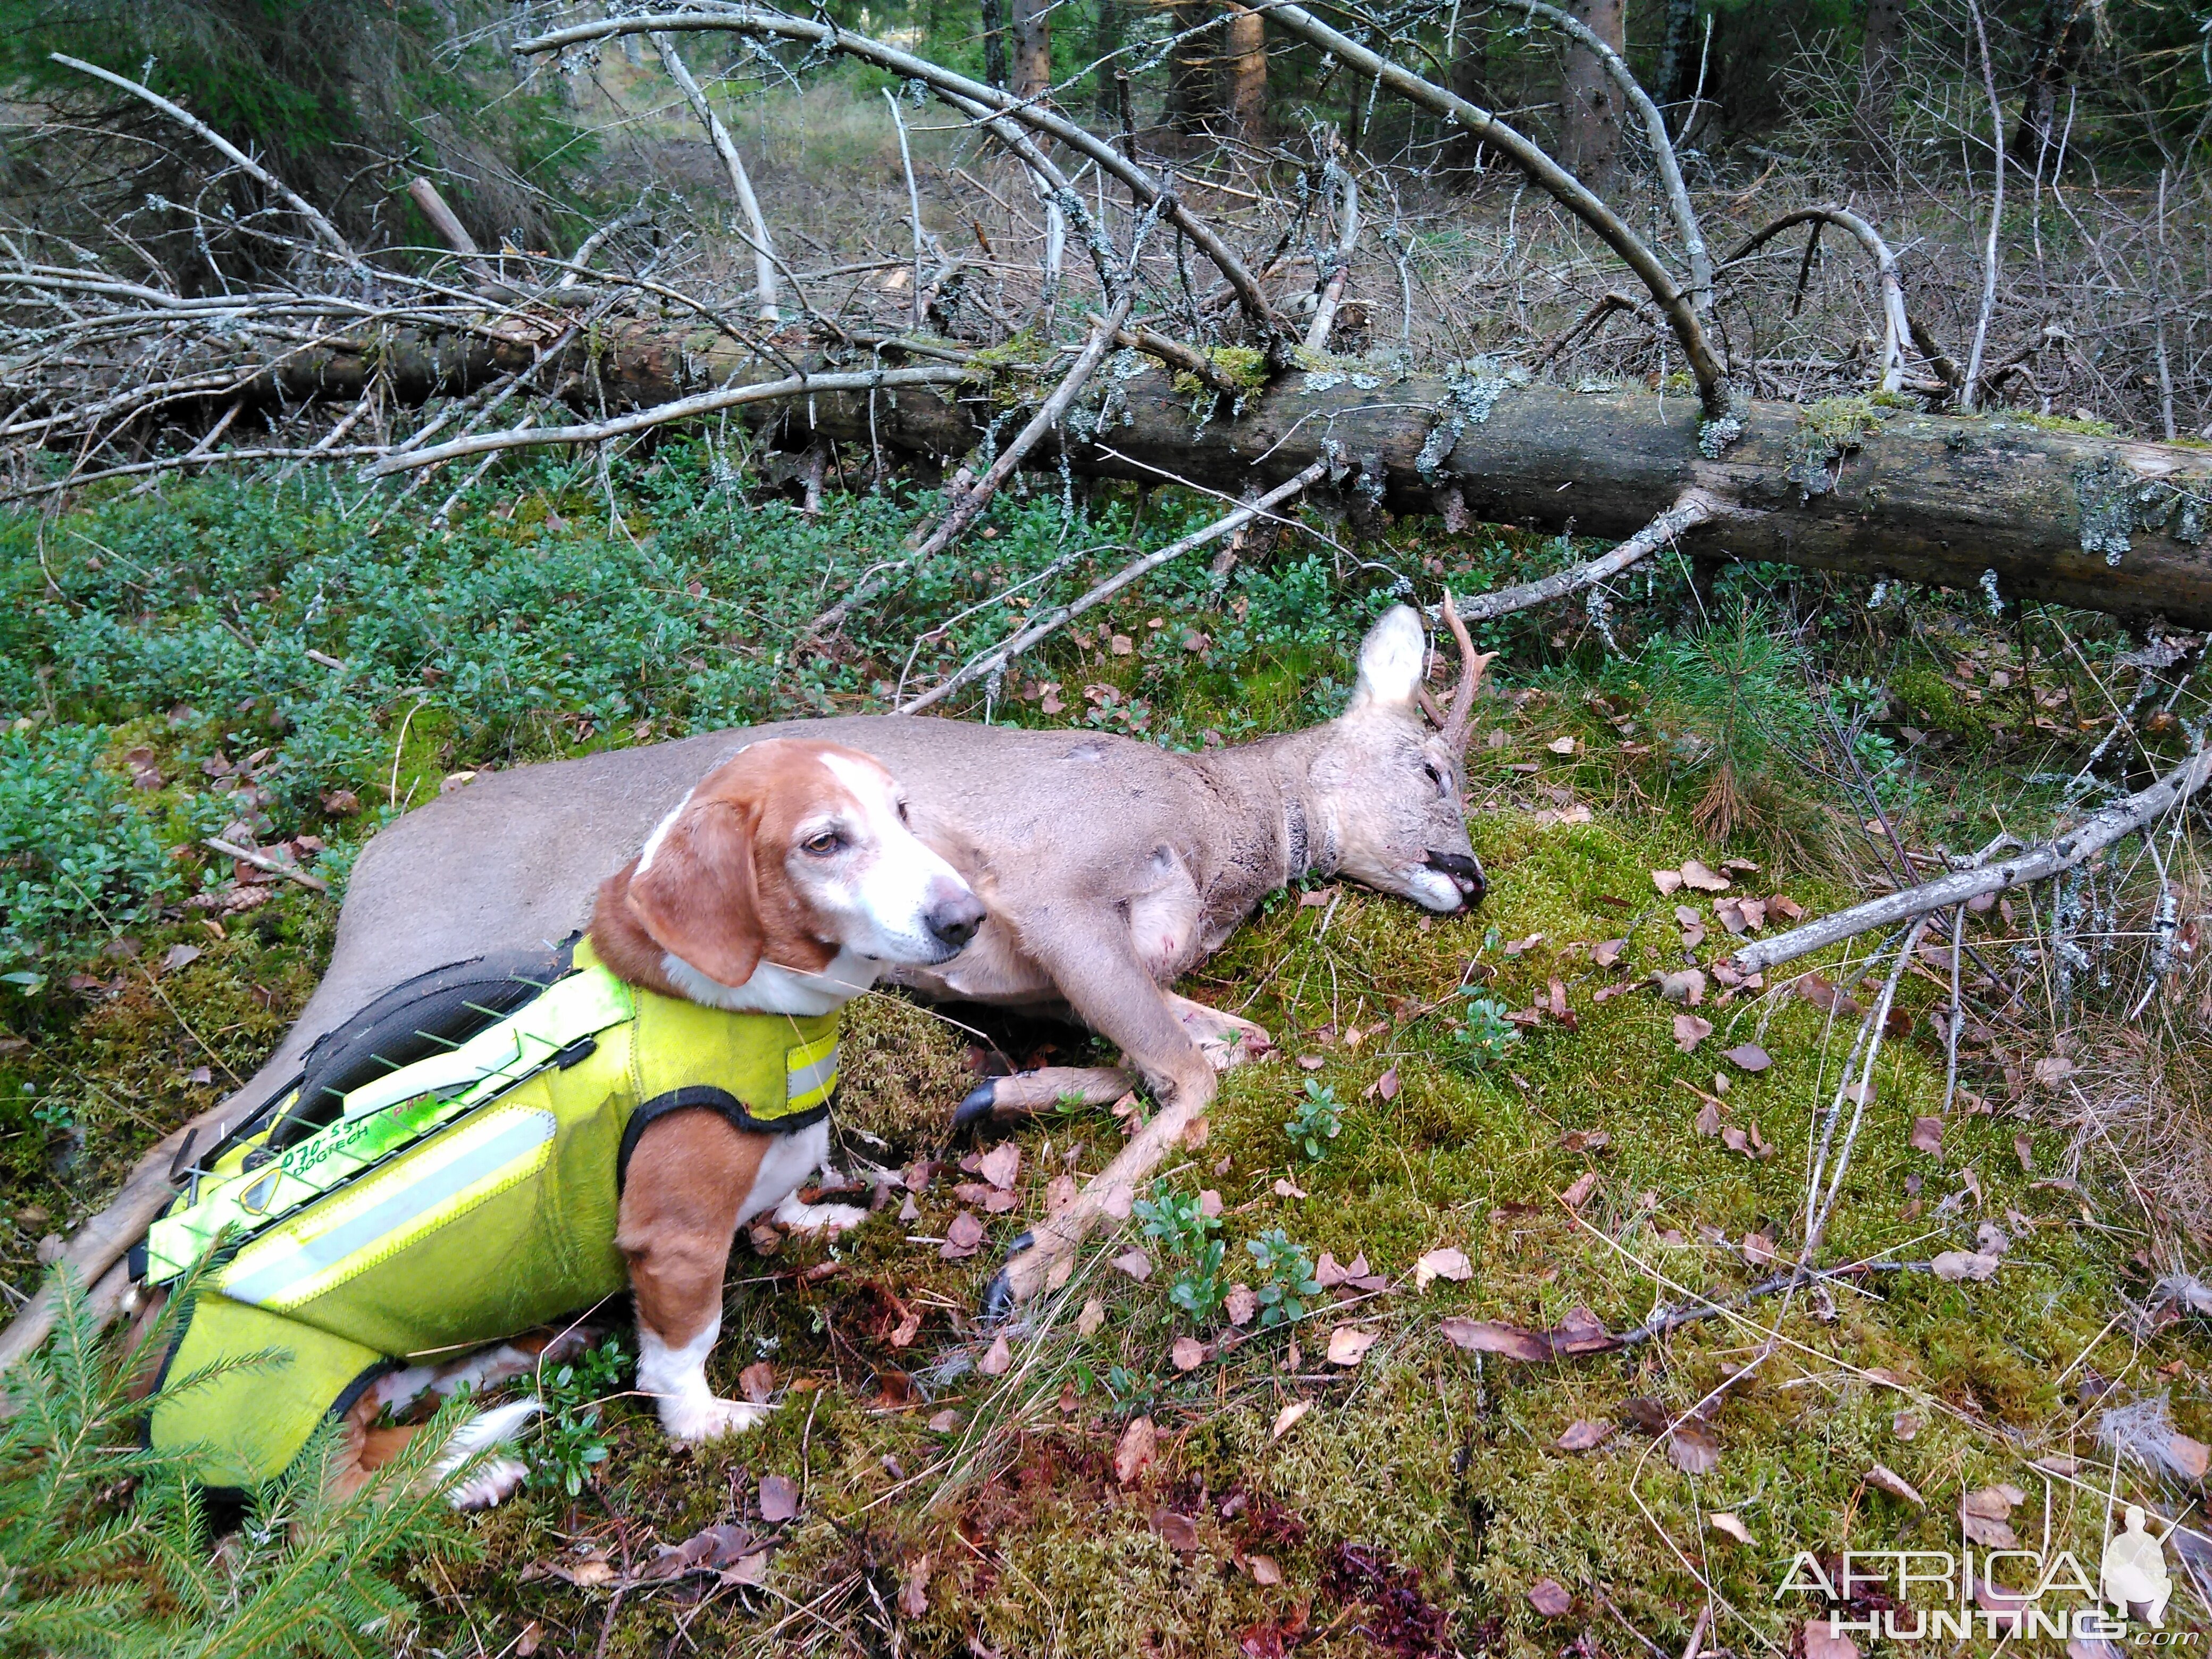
(460, 1201)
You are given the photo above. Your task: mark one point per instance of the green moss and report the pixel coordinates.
(1246, 368)
(1933, 700)
(2067, 424)
(1826, 432)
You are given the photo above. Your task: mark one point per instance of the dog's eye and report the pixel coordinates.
(823, 845)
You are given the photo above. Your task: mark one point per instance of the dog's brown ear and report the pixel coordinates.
(697, 897)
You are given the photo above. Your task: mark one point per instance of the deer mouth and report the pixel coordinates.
(1464, 874)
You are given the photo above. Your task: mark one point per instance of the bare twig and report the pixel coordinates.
(447, 223)
(324, 230)
(764, 244)
(1189, 360)
(1897, 326)
(1347, 238)
(992, 662)
(962, 512)
(706, 403)
(1655, 128)
(2037, 863)
(1972, 393)
(747, 20)
(263, 861)
(1692, 509)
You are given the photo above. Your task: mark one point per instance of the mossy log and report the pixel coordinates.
(2104, 524)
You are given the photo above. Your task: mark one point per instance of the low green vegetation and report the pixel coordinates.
(1258, 1434)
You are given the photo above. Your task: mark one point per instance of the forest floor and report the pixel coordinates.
(1525, 1131)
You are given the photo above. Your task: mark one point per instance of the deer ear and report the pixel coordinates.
(1391, 659)
(695, 895)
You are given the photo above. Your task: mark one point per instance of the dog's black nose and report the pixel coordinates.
(954, 920)
(1465, 871)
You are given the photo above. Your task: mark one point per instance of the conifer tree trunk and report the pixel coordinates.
(1032, 56)
(1244, 73)
(1589, 103)
(1881, 49)
(995, 41)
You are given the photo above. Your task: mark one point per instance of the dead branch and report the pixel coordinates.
(324, 230)
(971, 501)
(263, 861)
(2039, 863)
(798, 385)
(450, 230)
(1692, 509)
(1186, 359)
(745, 20)
(1585, 325)
(996, 659)
(1655, 128)
(1897, 326)
(741, 183)
(1347, 240)
(1714, 391)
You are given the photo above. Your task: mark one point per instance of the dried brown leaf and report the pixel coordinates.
(1487, 1336)
(1693, 1448)
(1882, 1478)
(778, 1498)
(1443, 1262)
(1348, 1345)
(1138, 1449)
(1728, 1525)
(962, 1237)
(1135, 1263)
(1549, 1597)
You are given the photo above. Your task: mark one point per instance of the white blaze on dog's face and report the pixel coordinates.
(857, 859)
(795, 859)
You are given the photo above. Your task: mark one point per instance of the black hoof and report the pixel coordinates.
(999, 1294)
(977, 1106)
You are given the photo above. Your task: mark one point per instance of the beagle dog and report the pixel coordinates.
(785, 883)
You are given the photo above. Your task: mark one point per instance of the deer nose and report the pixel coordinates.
(1466, 874)
(953, 916)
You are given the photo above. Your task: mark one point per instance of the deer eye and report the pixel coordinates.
(904, 816)
(822, 845)
(1436, 776)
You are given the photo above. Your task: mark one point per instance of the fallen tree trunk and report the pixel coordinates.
(2103, 524)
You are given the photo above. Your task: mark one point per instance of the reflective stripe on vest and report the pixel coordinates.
(810, 1074)
(382, 1215)
(411, 1102)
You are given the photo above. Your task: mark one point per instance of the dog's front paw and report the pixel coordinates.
(493, 1481)
(699, 1421)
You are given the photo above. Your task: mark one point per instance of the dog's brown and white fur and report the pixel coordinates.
(784, 883)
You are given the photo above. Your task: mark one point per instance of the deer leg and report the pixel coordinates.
(1026, 1094)
(1225, 1039)
(1096, 966)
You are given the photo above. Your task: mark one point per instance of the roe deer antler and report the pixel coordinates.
(1452, 726)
